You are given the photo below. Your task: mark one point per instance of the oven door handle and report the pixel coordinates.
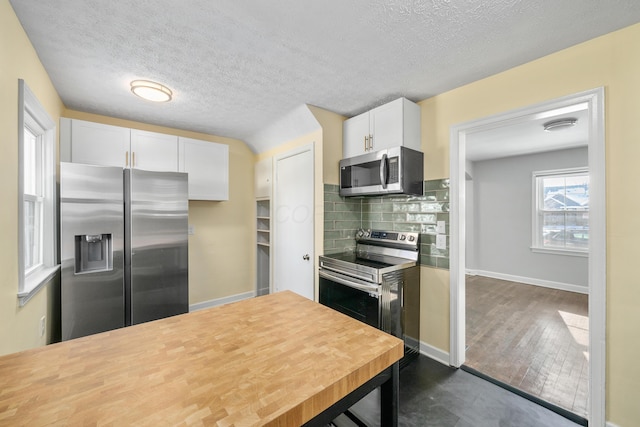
(350, 275)
(348, 282)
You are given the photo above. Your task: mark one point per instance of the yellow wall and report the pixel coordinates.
(331, 124)
(18, 60)
(221, 255)
(611, 61)
(217, 268)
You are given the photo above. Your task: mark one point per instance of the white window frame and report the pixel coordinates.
(32, 115)
(536, 243)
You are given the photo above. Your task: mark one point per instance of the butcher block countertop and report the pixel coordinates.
(276, 360)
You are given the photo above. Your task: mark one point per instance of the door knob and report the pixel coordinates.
(306, 257)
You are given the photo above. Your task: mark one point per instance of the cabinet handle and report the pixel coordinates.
(133, 159)
(366, 139)
(370, 142)
(126, 159)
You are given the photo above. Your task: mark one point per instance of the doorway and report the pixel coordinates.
(460, 134)
(293, 221)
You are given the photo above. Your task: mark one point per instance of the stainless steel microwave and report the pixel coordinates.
(397, 170)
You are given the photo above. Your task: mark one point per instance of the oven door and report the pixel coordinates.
(353, 297)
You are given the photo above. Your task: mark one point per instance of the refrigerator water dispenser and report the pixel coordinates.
(93, 253)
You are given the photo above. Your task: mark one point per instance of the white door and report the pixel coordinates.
(98, 144)
(154, 151)
(354, 132)
(387, 125)
(293, 222)
(207, 164)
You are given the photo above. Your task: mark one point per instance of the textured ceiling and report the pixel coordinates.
(526, 135)
(239, 67)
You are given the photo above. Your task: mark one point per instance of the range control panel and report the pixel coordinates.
(387, 237)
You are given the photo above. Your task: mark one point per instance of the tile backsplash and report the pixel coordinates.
(343, 216)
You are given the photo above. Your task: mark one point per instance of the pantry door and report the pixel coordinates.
(293, 222)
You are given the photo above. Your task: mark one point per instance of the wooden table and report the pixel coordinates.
(277, 360)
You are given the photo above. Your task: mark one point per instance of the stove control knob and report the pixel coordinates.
(403, 237)
(359, 234)
(367, 233)
(412, 238)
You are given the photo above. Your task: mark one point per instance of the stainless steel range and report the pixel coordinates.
(378, 283)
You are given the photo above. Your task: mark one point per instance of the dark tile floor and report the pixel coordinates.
(432, 394)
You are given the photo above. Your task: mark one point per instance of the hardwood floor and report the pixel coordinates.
(532, 338)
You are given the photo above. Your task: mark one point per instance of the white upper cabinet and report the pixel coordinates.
(263, 171)
(207, 164)
(105, 145)
(153, 151)
(396, 123)
(94, 143)
(355, 135)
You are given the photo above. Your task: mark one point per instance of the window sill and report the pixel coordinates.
(584, 254)
(35, 282)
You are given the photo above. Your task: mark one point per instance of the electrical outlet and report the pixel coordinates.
(43, 325)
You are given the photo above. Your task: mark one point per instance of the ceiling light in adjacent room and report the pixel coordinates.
(151, 91)
(560, 124)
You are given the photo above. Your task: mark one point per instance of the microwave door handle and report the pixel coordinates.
(383, 171)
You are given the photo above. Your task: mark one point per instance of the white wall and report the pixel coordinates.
(470, 241)
(502, 215)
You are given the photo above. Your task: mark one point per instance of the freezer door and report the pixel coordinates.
(157, 222)
(91, 249)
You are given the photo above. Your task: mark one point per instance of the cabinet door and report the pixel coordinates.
(396, 123)
(263, 172)
(98, 144)
(387, 125)
(207, 164)
(354, 132)
(154, 151)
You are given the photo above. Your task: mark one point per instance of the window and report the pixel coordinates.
(561, 217)
(37, 195)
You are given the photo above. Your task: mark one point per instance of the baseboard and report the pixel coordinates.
(434, 353)
(221, 301)
(531, 281)
(610, 424)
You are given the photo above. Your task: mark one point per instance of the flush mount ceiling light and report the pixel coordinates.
(559, 124)
(151, 91)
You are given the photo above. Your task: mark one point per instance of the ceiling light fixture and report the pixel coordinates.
(151, 91)
(559, 124)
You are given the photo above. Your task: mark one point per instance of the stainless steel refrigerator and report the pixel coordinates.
(124, 247)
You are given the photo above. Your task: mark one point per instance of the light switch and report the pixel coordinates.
(191, 229)
(441, 241)
(440, 228)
